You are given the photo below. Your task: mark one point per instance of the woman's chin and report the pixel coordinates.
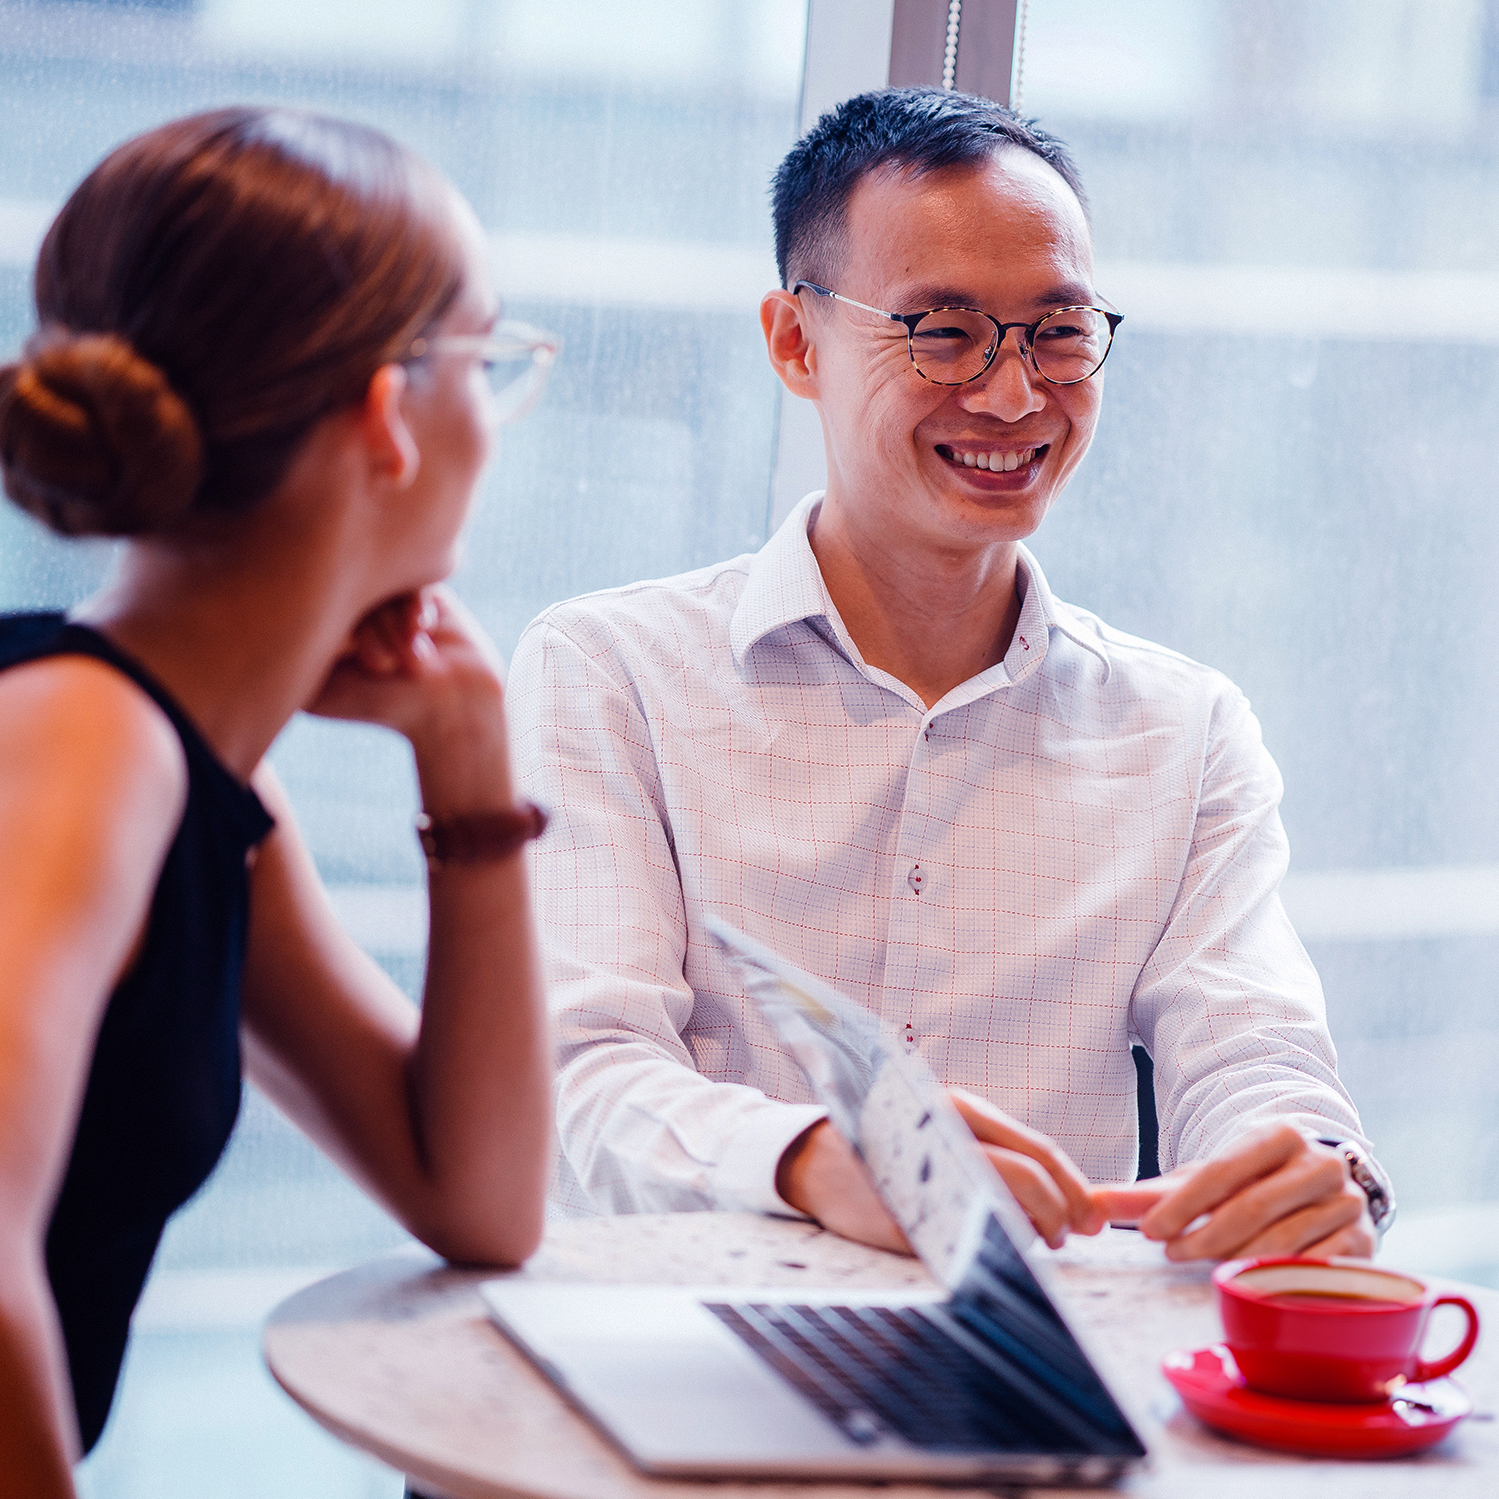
(432, 571)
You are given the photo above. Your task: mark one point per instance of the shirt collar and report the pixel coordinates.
(785, 586)
(1041, 612)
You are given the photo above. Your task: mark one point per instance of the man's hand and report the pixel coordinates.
(1055, 1195)
(1272, 1192)
(820, 1175)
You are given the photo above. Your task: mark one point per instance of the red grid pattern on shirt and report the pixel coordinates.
(1100, 848)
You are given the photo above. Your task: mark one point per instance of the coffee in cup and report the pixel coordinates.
(1335, 1329)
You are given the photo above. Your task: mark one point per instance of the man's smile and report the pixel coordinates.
(995, 459)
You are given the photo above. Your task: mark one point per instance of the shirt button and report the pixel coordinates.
(917, 878)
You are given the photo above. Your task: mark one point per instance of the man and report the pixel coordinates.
(884, 748)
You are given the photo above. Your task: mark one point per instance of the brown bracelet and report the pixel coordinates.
(478, 837)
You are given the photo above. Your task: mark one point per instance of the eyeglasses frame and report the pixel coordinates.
(505, 340)
(910, 320)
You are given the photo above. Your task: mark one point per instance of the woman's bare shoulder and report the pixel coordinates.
(76, 726)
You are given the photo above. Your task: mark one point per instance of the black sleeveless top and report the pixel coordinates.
(164, 1086)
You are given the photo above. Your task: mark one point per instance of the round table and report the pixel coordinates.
(398, 1357)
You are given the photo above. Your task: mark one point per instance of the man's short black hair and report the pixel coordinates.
(919, 130)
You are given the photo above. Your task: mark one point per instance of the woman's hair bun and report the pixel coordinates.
(93, 439)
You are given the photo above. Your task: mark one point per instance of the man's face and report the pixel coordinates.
(1010, 239)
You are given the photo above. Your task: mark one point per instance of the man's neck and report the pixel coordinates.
(931, 618)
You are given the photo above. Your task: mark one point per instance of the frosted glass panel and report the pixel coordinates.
(1296, 206)
(619, 156)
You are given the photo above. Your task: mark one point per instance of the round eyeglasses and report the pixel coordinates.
(515, 357)
(953, 345)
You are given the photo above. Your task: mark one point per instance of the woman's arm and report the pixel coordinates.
(444, 1115)
(92, 784)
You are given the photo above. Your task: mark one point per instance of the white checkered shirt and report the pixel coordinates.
(1076, 849)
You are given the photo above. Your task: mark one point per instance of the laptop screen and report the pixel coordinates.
(942, 1189)
(1001, 1302)
(937, 1183)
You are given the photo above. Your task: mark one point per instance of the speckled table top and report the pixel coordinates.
(399, 1358)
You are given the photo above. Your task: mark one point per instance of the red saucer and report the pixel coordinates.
(1211, 1387)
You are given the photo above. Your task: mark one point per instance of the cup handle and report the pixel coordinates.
(1442, 1366)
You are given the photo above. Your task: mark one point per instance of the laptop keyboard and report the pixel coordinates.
(873, 1369)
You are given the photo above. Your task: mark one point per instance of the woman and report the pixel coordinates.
(262, 352)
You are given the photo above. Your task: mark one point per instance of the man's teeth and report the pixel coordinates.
(999, 463)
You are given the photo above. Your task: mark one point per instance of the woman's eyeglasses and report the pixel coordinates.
(515, 358)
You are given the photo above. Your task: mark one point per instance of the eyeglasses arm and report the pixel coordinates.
(823, 291)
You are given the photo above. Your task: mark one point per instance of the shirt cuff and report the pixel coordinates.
(745, 1180)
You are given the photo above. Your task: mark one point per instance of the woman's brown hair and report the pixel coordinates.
(209, 292)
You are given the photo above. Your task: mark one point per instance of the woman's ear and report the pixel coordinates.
(788, 341)
(382, 423)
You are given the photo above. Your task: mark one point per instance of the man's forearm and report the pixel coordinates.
(820, 1174)
(643, 1133)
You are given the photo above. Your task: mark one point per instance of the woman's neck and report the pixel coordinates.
(241, 630)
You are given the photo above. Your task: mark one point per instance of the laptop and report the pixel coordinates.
(980, 1379)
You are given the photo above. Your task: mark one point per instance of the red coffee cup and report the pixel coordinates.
(1335, 1329)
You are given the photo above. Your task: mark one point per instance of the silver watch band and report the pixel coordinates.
(1375, 1188)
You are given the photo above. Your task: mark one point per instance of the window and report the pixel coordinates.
(620, 155)
(1295, 205)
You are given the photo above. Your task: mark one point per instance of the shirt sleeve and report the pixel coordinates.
(639, 1127)
(1229, 1005)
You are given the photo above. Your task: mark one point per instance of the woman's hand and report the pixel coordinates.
(415, 660)
(444, 1114)
(422, 665)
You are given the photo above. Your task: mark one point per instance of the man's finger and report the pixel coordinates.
(1298, 1231)
(1358, 1241)
(373, 653)
(992, 1126)
(1039, 1196)
(1222, 1177)
(1280, 1215)
(1249, 1212)
(1128, 1202)
(1292, 1234)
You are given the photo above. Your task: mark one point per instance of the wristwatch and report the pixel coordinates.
(478, 837)
(1375, 1188)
